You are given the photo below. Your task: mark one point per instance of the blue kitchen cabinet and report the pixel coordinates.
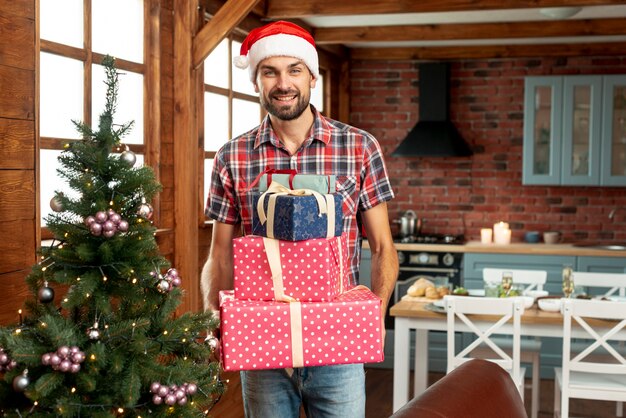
(574, 130)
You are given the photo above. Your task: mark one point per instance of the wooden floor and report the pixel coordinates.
(379, 389)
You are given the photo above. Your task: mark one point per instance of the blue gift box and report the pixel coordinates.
(297, 218)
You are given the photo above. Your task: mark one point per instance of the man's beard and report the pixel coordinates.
(286, 112)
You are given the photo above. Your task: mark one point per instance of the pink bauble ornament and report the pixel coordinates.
(182, 401)
(170, 399)
(163, 391)
(172, 272)
(179, 394)
(63, 351)
(108, 226)
(108, 234)
(74, 368)
(115, 218)
(45, 359)
(74, 349)
(191, 389)
(55, 360)
(154, 387)
(157, 400)
(65, 365)
(78, 357)
(95, 229)
(89, 220)
(4, 359)
(123, 226)
(101, 216)
(110, 212)
(176, 281)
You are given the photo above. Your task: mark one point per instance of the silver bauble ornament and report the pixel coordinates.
(145, 210)
(93, 333)
(21, 382)
(163, 286)
(129, 158)
(56, 204)
(46, 294)
(212, 342)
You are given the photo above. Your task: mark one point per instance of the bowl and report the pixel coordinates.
(549, 304)
(532, 236)
(536, 293)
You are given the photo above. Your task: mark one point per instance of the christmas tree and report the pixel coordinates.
(109, 344)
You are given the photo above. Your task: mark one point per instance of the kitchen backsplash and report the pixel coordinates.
(463, 194)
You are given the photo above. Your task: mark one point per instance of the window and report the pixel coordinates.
(231, 106)
(71, 77)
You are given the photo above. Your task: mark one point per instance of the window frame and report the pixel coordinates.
(151, 92)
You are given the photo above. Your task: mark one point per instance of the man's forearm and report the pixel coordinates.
(384, 273)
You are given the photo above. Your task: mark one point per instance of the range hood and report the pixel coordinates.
(434, 135)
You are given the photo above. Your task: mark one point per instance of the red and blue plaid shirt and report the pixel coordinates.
(333, 148)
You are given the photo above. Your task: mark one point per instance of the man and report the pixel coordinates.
(283, 66)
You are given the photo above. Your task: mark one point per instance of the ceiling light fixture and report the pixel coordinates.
(560, 12)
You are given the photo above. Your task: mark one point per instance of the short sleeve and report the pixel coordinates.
(375, 185)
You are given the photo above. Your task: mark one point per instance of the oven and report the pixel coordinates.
(439, 266)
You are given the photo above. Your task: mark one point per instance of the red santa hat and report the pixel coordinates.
(278, 39)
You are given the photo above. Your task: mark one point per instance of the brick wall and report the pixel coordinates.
(463, 194)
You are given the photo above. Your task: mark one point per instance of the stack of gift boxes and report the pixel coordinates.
(292, 304)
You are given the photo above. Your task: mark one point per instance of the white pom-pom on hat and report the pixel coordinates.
(280, 38)
(241, 61)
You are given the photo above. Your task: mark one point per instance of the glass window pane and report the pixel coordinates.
(217, 65)
(542, 129)
(62, 21)
(51, 181)
(581, 135)
(317, 94)
(208, 168)
(60, 95)
(129, 102)
(618, 140)
(246, 115)
(241, 78)
(118, 28)
(215, 121)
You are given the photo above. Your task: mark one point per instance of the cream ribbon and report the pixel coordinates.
(325, 204)
(272, 251)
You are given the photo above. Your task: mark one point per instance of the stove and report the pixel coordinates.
(432, 239)
(439, 266)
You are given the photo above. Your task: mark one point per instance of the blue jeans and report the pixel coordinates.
(325, 392)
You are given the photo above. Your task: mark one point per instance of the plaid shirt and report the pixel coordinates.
(352, 155)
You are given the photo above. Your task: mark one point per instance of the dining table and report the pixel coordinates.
(416, 315)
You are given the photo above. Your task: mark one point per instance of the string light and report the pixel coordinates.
(104, 278)
(165, 332)
(92, 357)
(120, 410)
(78, 279)
(67, 234)
(134, 280)
(111, 203)
(73, 390)
(66, 300)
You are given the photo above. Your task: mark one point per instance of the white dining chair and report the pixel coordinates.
(485, 318)
(581, 376)
(610, 284)
(530, 347)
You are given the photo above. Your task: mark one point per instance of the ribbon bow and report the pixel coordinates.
(325, 205)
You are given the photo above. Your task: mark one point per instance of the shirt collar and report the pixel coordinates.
(320, 131)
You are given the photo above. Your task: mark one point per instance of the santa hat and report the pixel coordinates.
(278, 39)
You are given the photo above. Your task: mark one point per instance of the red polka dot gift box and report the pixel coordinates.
(314, 270)
(259, 335)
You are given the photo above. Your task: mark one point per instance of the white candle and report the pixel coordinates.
(502, 236)
(485, 235)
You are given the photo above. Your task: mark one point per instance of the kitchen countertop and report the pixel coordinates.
(513, 248)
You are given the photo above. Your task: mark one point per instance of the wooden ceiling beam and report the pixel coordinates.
(442, 32)
(489, 51)
(282, 9)
(212, 33)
